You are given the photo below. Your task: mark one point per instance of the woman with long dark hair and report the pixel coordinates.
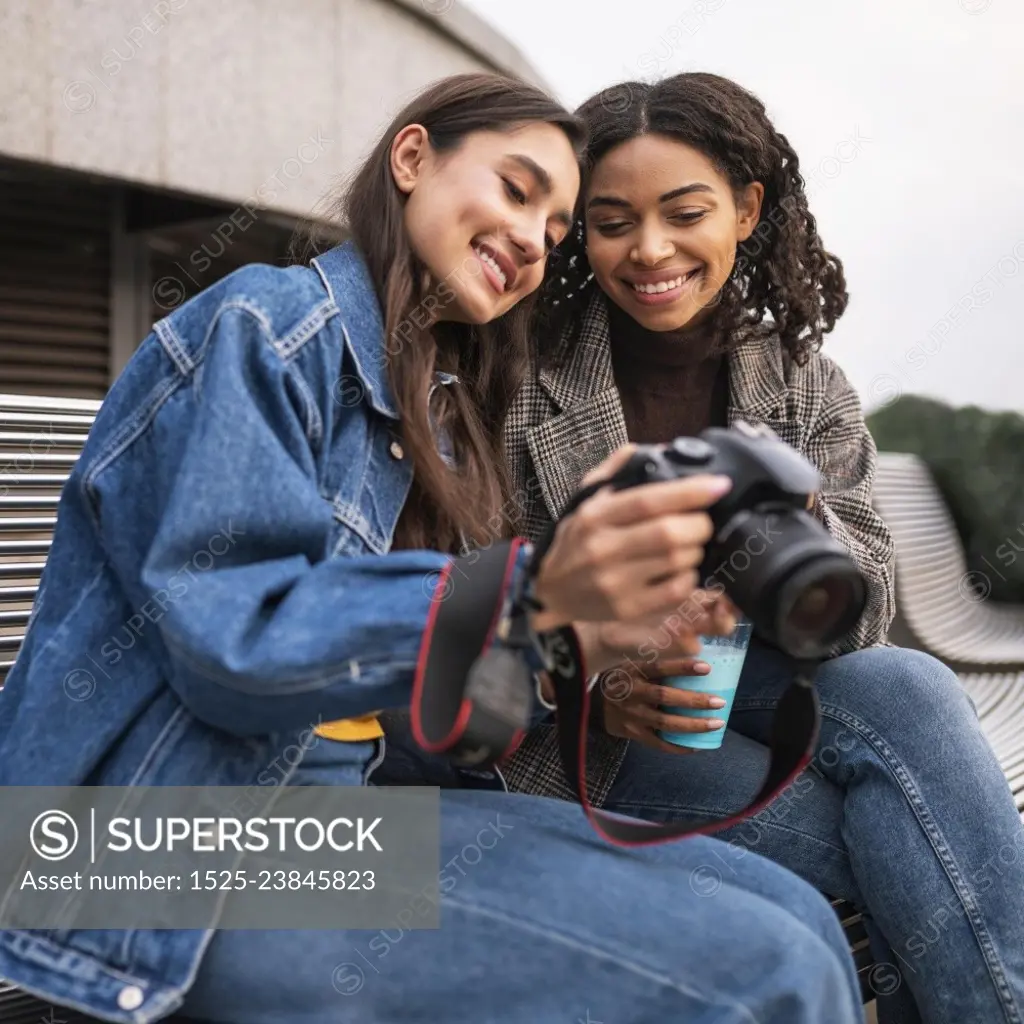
(327, 438)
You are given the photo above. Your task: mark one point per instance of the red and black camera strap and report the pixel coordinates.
(794, 737)
(473, 696)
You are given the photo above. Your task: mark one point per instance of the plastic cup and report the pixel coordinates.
(725, 655)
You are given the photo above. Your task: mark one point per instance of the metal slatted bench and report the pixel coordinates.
(17, 1007)
(999, 699)
(942, 612)
(940, 601)
(40, 440)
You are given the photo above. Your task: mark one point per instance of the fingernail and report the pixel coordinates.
(720, 484)
(711, 724)
(716, 702)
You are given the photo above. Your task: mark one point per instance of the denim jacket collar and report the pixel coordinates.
(344, 273)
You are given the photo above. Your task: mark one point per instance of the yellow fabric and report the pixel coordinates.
(351, 730)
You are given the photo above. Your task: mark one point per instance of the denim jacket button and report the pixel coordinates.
(396, 450)
(130, 997)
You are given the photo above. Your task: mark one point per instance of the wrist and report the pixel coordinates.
(597, 655)
(534, 599)
(542, 621)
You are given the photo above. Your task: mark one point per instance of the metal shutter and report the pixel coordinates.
(55, 261)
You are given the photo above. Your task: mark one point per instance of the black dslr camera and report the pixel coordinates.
(776, 562)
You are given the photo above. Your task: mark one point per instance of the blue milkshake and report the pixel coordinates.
(725, 656)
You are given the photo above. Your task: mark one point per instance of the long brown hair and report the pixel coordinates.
(447, 506)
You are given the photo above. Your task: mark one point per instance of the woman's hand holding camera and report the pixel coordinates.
(626, 559)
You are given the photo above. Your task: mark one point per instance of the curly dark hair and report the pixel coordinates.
(782, 272)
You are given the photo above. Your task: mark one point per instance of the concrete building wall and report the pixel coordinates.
(235, 100)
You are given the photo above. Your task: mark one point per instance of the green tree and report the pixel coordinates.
(977, 459)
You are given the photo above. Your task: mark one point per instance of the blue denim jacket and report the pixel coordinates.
(215, 584)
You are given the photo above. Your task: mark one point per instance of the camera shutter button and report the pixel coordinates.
(689, 451)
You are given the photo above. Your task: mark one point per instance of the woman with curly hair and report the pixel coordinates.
(695, 291)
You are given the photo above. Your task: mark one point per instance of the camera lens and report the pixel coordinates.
(797, 584)
(819, 604)
(823, 606)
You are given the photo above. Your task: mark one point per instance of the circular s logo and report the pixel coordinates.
(885, 389)
(616, 685)
(705, 881)
(974, 586)
(79, 97)
(347, 979)
(884, 979)
(54, 835)
(79, 684)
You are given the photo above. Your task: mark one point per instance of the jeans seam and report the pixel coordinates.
(717, 812)
(605, 956)
(934, 835)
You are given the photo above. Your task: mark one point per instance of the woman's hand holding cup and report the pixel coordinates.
(634, 703)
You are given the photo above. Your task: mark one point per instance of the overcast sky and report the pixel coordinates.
(927, 217)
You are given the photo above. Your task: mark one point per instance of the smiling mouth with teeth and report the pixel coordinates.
(665, 286)
(492, 264)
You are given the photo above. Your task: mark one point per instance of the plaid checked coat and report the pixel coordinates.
(568, 418)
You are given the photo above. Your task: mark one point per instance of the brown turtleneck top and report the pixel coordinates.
(672, 384)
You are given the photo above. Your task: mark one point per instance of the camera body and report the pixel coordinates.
(798, 585)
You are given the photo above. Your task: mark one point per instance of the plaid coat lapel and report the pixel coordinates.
(588, 423)
(565, 421)
(758, 392)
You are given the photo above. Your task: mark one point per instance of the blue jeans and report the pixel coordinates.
(549, 924)
(906, 814)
